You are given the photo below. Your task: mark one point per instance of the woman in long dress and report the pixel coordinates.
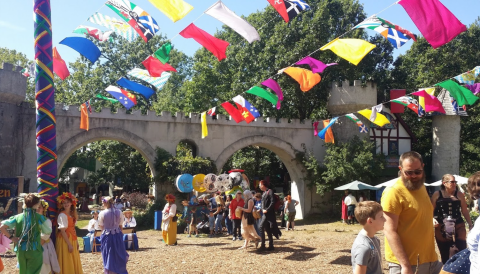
(114, 255)
(248, 230)
(50, 261)
(169, 226)
(66, 244)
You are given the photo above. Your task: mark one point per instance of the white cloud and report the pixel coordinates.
(8, 25)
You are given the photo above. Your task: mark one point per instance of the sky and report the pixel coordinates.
(16, 28)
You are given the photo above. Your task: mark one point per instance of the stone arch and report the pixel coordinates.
(192, 145)
(67, 148)
(287, 153)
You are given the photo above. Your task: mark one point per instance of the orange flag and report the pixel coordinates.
(329, 135)
(84, 117)
(306, 78)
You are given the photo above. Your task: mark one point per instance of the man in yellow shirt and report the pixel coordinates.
(409, 233)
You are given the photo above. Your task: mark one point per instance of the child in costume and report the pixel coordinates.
(131, 240)
(28, 227)
(66, 244)
(50, 261)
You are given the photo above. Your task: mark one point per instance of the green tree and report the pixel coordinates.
(19, 59)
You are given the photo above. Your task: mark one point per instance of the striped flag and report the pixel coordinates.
(142, 74)
(119, 27)
(361, 127)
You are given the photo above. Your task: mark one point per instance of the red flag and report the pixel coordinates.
(216, 46)
(155, 67)
(59, 66)
(279, 5)
(234, 112)
(394, 94)
(84, 124)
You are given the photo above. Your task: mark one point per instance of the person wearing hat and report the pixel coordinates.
(125, 202)
(118, 204)
(129, 220)
(237, 221)
(130, 239)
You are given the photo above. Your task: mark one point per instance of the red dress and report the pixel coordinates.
(344, 209)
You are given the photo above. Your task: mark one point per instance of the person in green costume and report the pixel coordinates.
(28, 226)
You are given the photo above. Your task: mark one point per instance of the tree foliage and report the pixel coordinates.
(19, 59)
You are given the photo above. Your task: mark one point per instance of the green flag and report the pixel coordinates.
(163, 53)
(260, 92)
(106, 98)
(462, 95)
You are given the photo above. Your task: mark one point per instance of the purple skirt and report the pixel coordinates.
(114, 255)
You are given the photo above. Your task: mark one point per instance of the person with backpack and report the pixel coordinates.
(269, 220)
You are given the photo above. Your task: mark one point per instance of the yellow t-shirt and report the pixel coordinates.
(415, 222)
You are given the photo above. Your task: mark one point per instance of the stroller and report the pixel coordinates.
(203, 226)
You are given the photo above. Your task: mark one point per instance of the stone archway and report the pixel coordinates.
(287, 154)
(67, 148)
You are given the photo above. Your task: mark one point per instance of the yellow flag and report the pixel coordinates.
(380, 120)
(204, 124)
(352, 50)
(421, 100)
(173, 9)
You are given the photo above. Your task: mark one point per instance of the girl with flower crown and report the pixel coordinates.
(50, 261)
(28, 227)
(66, 244)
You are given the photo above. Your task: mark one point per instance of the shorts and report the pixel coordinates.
(351, 211)
(193, 227)
(211, 222)
(291, 216)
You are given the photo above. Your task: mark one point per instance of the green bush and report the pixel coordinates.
(474, 215)
(146, 219)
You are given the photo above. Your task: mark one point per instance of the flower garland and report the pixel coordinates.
(64, 196)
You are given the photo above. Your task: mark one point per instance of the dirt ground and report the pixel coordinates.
(312, 248)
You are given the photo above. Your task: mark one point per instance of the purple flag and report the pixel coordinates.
(273, 85)
(316, 65)
(437, 24)
(475, 88)
(315, 126)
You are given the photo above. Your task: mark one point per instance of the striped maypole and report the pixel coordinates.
(45, 106)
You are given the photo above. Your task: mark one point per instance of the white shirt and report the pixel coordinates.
(350, 200)
(118, 206)
(93, 225)
(129, 222)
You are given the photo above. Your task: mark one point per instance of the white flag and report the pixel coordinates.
(375, 109)
(223, 14)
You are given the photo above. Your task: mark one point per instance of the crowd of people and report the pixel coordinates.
(412, 222)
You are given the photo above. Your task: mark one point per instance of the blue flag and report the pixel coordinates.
(322, 133)
(143, 90)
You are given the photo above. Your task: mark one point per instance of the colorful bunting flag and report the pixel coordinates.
(421, 100)
(203, 120)
(327, 133)
(361, 127)
(260, 92)
(273, 85)
(223, 14)
(173, 9)
(466, 78)
(475, 88)
(352, 50)
(59, 66)
(462, 95)
(29, 71)
(142, 74)
(125, 98)
(143, 90)
(304, 77)
(380, 119)
(84, 123)
(234, 112)
(131, 14)
(249, 112)
(437, 24)
(394, 94)
(315, 128)
(89, 107)
(375, 110)
(155, 67)
(99, 96)
(279, 6)
(95, 33)
(393, 33)
(122, 29)
(408, 102)
(216, 46)
(431, 103)
(295, 7)
(163, 53)
(83, 46)
(315, 65)
(211, 111)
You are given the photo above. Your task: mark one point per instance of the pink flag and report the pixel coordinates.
(316, 65)
(273, 85)
(431, 102)
(216, 46)
(437, 24)
(315, 131)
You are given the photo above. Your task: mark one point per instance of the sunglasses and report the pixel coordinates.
(412, 172)
(453, 182)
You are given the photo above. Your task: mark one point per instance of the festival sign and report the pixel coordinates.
(8, 193)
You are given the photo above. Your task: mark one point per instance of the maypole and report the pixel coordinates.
(45, 106)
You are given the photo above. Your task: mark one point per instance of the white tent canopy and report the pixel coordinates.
(356, 185)
(387, 183)
(460, 181)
